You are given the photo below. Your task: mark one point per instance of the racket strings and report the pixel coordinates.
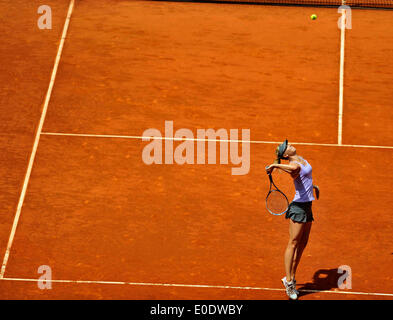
(276, 202)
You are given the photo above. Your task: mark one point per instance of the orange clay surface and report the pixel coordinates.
(95, 211)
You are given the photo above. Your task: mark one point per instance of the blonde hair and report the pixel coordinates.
(277, 160)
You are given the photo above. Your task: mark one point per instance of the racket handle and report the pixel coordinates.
(266, 169)
(268, 173)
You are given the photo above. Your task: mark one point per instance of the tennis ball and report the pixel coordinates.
(313, 16)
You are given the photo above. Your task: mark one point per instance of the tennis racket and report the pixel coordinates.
(276, 201)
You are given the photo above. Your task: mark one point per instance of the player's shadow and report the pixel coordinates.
(323, 279)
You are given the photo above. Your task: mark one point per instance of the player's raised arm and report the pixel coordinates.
(293, 168)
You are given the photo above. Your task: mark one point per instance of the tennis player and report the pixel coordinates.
(299, 212)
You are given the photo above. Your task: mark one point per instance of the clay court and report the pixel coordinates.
(76, 196)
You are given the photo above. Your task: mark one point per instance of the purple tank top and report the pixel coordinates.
(303, 184)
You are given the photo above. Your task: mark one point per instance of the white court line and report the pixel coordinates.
(341, 86)
(87, 135)
(36, 141)
(193, 286)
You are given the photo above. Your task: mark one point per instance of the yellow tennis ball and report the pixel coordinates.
(313, 16)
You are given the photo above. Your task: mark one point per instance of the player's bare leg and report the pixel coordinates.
(300, 248)
(295, 235)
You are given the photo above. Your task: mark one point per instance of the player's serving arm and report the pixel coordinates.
(299, 211)
(293, 169)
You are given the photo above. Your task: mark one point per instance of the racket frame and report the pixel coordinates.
(276, 190)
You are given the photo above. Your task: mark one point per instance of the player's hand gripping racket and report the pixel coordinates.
(276, 201)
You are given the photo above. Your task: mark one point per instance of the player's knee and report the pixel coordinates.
(293, 243)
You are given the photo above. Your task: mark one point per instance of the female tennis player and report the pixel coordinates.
(299, 211)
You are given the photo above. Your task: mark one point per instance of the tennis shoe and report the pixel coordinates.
(294, 285)
(290, 288)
